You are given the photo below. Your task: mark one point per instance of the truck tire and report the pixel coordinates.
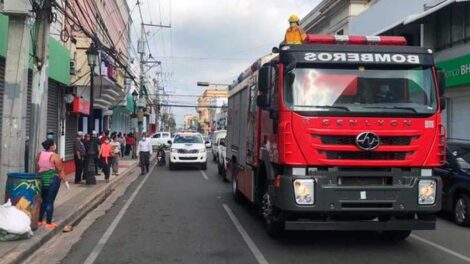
(236, 194)
(461, 210)
(396, 236)
(274, 225)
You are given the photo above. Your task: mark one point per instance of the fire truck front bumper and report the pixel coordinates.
(339, 201)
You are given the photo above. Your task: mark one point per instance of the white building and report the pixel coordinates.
(333, 16)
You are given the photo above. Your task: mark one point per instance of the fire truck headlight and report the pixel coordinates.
(427, 192)
(304, 191)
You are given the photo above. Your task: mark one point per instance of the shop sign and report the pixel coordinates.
(112, 73)
(80, 106)
(457, 71)
(120, 77)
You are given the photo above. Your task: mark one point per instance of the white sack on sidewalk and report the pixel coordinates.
(13, 220)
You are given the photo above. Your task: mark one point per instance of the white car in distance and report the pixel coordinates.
(188, 149)
(221, 160)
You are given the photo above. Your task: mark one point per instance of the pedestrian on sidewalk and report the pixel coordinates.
(121, 141)
(91, 151)
(129, 143)
(144, 151)
(106, 155)
(50, 167)
(79, 157)
(96, 141)
(116, 149)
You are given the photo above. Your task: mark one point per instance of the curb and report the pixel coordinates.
(22, 252)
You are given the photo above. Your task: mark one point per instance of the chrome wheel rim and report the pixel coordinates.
(460, 210)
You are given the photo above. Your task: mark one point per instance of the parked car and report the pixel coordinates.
(456, 181)
(216, 135)
(207, 141)
(221, 161)
(188, 149)
(160, 138)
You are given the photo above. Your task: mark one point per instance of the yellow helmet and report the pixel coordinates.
(293, 19)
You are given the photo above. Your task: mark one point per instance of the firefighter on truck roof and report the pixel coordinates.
(295, 35)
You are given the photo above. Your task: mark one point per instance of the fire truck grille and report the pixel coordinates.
(351, 140)
(340, 155)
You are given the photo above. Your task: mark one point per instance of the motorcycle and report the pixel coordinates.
(161, 160)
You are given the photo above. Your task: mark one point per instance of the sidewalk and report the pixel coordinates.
(70, 206)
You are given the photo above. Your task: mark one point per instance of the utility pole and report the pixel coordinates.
(16, 90)
(40, 81)
(141, 50)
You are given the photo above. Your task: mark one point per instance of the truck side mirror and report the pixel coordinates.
(443, 100)
(265, 80)
(441, 82)
(262, 101)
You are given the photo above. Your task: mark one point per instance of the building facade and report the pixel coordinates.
(205, 109)
(333, 17)
(444, 27)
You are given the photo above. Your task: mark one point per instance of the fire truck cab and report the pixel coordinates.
(339, 133)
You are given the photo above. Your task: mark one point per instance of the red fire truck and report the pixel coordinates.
(339, 133)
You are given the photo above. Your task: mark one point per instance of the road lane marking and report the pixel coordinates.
(254, 249)
(204, 175)
(448, 251)
(96, 251)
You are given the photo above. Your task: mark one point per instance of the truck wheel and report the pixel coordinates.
(396, 236)
(462, 210)
(237, 196)
(274, 226)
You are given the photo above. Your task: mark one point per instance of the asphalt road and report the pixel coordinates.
(187, 216)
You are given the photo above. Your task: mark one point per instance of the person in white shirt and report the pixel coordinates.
(144, 149)
(116, 149)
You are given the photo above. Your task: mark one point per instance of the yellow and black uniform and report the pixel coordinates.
(295, 35)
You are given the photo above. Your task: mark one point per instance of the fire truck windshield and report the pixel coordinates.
(361, 90)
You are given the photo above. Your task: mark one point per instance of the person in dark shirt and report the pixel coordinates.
(79, 158)
(91, 154)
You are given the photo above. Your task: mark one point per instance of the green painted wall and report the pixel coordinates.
(3, 35)
(59, 56)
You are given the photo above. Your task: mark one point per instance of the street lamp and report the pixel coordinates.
(135, 96)
(207, 84)
(92, 56)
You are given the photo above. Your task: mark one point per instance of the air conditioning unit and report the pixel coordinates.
(15, 7)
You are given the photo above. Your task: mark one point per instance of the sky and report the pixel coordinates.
(211, 40)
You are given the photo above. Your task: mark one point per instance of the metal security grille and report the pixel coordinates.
(29, 93)
(71, 128)
(53, 108)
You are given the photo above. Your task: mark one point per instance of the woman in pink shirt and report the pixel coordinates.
(50, 167)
